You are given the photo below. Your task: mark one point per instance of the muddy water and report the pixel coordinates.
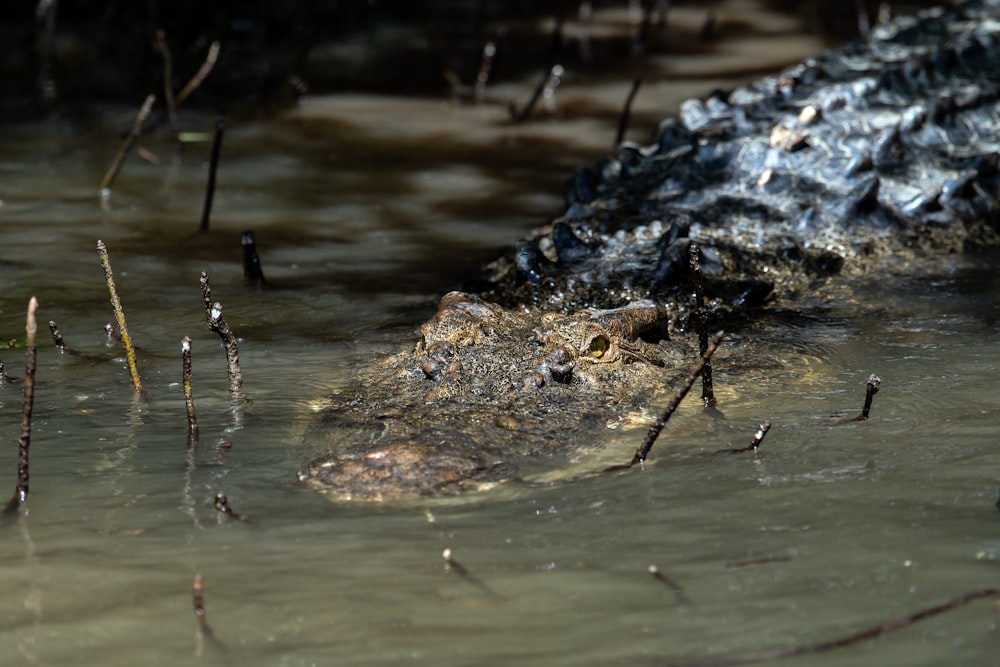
(366, 210)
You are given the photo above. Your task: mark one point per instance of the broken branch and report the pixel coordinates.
(24, 443)
(116, 304)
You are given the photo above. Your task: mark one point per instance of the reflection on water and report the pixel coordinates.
(365, 212)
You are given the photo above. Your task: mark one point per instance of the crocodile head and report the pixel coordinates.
(485, 390)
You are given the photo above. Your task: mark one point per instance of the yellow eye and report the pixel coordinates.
(598, 346)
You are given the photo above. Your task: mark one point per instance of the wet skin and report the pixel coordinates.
(485, 390)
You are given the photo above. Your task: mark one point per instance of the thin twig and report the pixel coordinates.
(45, 12)
(846, 640)
(213, 166)
(201, 621)
(873, 384)
(765, 560)
(669, 583)
(222, 507)
(489, 51)
(543, 83)
(216, 323)
(116, 164)
(168, 86)
(192, 421)
(623, 120)
(701, 322)
(57, 336)
(24, 444)
(116, 304)
(758, 438)
(454, 566)
(201, 74)
(253, 273)
(675, 400)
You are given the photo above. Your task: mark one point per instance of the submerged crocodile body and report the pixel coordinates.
(863, 157)
(868, 152)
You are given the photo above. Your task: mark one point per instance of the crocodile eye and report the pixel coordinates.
(598, 346)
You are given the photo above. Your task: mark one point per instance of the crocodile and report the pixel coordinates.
(486, 390)
(864, 158)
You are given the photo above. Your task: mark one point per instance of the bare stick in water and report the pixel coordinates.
(213, 166)
(873, 383)
(675, 400)
(192, 422)
(669, 583)
(57, 336)
(626, 112)
(116, 304)
(198, 598)
(201, 74)
(213, 313)
(222, 507)
(847, 640)
(116, 164)
(701, 322)
(758, 438)
(453, 565)
(24, 444)
(764, 560)
(544, 82)
(168, 85)
(252, 271)
(483, 76)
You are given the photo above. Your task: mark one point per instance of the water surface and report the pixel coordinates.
(366, 211)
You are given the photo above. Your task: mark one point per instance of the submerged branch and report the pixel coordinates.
(675, 400)
(216, 323)
(213, 167)
(116, 164)
(24, 443)
(846, 640)
(873, 384)
(192, 421)
(623, 120)
(201, 74)
(454, 566)
(116, 304)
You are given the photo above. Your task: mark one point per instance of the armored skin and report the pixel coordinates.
(864, 158)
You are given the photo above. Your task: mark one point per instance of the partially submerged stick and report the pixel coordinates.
(213, 166)
(24, 443)
(116, 164)
(669, 583)
(451, 564)
(626, 112)
(222, 507)
(873, 383)
(201, 74)
(216, 323)
(846, 640)
(479, 91)
(758, 438)
(764, 560)
(168, 85)
(192, 421)
(675, 400)
(544, 82)
(701, 321)
(116, 303)
(252, 271)
(57, 336)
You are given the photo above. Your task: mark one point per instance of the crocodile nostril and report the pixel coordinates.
(432, 369)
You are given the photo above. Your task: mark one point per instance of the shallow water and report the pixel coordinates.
(366, 210)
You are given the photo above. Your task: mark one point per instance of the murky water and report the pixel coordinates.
(366, 210)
